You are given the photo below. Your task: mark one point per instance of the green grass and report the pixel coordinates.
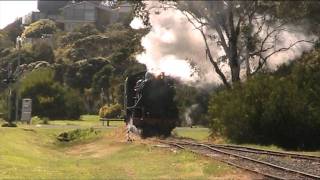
(29, 152)
(85, 121)
(196, 133)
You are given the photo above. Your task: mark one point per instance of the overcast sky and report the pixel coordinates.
(10, 10)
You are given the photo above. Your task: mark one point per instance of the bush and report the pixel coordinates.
(270, 109)
(42, 52)
(192, 105)
(38, 28)
(45, 121)
(9, 125)
(78, 134)
(49, 98)
(110, 111)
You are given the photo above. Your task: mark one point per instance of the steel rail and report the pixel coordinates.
(258, 161)
(228, 162)
(262, 151)
(250, 159)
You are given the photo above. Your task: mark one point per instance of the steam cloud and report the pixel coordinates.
(286, 38)
(187, 114)
(173, 45)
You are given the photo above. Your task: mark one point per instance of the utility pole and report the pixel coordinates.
(9, 77)
(18, 71)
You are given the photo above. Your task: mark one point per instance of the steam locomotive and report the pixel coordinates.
(150, 109)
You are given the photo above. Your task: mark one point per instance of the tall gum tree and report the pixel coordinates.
(247, 31)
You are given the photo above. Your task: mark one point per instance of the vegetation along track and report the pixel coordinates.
(271, 164)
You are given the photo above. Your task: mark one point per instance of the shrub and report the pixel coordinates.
(49, 98)
(26, 57)
(8, 125)
(110, 111)
(77, 134)
(73, 104)
(38, 28)
(271, 109)
(42, 52)
(45, 120)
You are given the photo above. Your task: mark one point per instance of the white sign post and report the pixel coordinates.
(26, 110)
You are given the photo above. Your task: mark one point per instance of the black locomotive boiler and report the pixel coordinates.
(149, 104)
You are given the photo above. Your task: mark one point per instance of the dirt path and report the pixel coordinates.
(115, 141)
(110, 143)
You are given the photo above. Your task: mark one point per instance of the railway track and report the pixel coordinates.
(270, 164)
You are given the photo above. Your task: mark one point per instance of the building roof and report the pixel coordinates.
(96, 4)
(51, 7)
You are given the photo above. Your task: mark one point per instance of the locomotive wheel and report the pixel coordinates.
(149, 131)
(166, 132)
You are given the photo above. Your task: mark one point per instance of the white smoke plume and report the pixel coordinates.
(287, 38)
(187, 114)
(173, 45)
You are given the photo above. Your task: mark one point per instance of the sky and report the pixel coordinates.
(10, 10)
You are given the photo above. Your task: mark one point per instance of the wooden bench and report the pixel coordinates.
(108, 120)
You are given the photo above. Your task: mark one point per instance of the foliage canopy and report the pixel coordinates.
(281, 108)
(38, 28)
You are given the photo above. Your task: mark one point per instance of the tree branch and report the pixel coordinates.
(208, 53)
(265, 58)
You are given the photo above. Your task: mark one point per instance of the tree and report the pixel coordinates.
(94, 60)
(304, 13)
(80, 74)
(247, 31)
(49, 98)
(42, 52)
(101, 81)
(14, 29)
(280, 108)
(5, 41)
(38, 28)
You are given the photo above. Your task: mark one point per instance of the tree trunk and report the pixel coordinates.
(235, 73)
(108, 96)
(234, 61)
(248, 69)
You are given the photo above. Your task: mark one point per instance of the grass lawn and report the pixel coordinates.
(196, 133)
(85, 121)
(30, 152)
